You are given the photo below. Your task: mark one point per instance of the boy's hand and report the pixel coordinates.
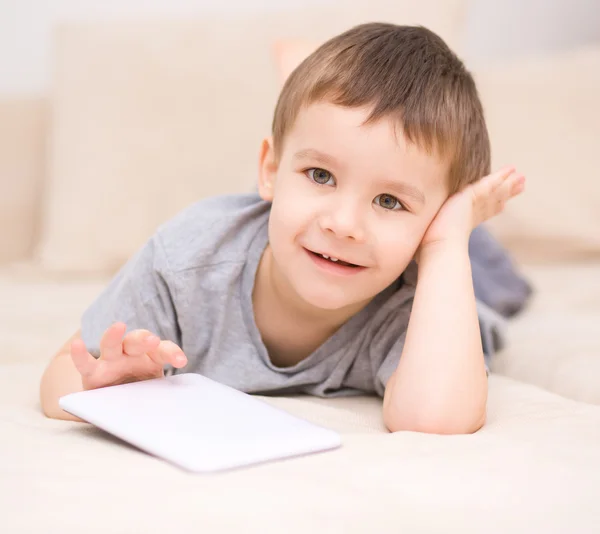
(471, 206)
(139, 355)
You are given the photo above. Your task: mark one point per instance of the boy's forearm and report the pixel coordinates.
(60, 378)
(440, 385)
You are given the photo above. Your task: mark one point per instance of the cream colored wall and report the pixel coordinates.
(494, 28)
(26, 28)
(503, 29)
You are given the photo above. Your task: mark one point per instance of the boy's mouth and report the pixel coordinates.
(334, 260)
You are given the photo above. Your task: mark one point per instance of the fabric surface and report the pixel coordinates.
(192, 283)
(555, 342)
(23, 131)
(532, 468)
(150, 116)
(543, 116)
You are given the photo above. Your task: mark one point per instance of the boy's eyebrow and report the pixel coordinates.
(321, 157)
(400, 188)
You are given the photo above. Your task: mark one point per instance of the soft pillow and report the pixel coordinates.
(148, 118)
(543, 116)
(22, 153)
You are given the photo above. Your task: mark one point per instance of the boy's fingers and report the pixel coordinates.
(499, 186)
(511, 187)
(140, 342)
(504, 172)
(508, 189)
(505, 187)
(84, 362)
(168, 352)
(111, 344)
(518, 186)
(497, 178)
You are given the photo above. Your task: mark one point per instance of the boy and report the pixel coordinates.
(376, 157)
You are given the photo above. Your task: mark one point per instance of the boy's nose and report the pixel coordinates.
(345, 221)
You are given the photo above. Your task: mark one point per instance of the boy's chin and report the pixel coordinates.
(328, 300)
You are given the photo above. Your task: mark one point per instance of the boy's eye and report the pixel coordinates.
(388, 202)
(320, 176)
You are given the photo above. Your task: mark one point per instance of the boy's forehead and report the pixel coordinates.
(331, 116)
(330, 124)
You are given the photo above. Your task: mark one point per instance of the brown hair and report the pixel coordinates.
(404, 72)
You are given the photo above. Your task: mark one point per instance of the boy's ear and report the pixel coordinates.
(267, 169)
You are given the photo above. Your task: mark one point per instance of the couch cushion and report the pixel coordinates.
(544, 117)
(555, 343)
(23, 127)
(40, 312)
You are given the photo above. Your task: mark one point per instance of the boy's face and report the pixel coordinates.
(357, 193)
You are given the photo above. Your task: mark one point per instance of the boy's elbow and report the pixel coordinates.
(444, 424)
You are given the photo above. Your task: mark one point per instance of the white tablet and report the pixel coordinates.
(198, 424)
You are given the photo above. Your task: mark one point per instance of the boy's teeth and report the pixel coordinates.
(328, 257)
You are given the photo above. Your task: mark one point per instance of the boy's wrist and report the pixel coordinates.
(443, 248)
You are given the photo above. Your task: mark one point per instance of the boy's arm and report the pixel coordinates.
(60, 378)
(440, 384)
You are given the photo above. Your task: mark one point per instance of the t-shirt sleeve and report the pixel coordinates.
(139, 296)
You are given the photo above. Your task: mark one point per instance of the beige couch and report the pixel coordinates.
(144, 118)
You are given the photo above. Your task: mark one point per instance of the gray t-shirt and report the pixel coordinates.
(192, 283)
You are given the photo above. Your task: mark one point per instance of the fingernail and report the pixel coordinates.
(180, 359)
(152, 339)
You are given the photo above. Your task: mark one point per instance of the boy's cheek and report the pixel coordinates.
(292, 210)
(398, 249)
(287, 217)
(401, 239)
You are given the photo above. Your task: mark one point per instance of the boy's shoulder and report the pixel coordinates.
(213, 230)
